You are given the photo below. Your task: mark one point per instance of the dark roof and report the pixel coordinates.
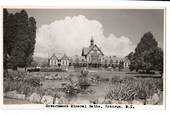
(53, 57)
(64, 57)
(86, 51)
(97, 48)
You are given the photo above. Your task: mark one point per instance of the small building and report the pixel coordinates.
(55, 61)
(65, 60)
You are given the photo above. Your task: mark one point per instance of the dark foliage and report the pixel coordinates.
(19, 39)
(147, 56)
(21, 82)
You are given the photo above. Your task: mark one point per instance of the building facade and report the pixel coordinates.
(115, 62)
(94, 57)
(55, 61)
(93, 54)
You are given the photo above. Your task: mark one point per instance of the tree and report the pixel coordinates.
(76, 62)
(19, 38)
(34, 64)
(106, 62)
(147, 55)
(121, 65)
(5, 40)
(147, 42)
(9, 28)
(130, 56)
(155, 58)
(44, 64)
(111, 62)
(30, 42)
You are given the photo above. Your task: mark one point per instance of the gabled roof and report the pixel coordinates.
(86, 51)
(64, 57)
(54, 57)
(93, 48)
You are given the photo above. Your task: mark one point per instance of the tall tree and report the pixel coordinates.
(147, 55)
(30, 42)
(5, 40)
(147, 42)
(19, 38)
(9, 33)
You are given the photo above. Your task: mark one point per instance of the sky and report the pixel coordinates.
(116, 31)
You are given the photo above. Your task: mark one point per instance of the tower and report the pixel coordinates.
(91, 42)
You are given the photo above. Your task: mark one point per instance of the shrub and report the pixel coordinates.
(116, 79)
(20, 82)
(35, 82)
(121, 91)
(83, 81)
(71, 90)
(77, 84)
(130, 88)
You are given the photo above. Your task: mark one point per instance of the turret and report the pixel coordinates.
(91, 42)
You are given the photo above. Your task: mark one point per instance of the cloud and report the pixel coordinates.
(121, 46)
(71, 34)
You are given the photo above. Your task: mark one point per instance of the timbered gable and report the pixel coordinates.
(96, 49)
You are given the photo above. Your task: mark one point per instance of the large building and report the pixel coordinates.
(93, 54)
(94, 57)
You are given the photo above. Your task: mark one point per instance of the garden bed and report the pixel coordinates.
(104, 87)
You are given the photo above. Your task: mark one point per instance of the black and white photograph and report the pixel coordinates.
(83, 56)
